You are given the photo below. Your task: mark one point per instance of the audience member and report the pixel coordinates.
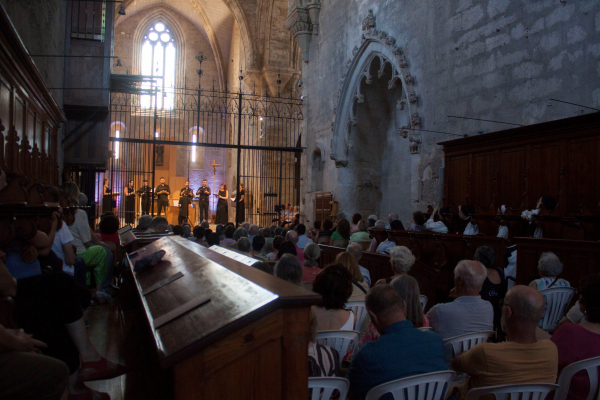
(327, 230)
(549, 268)
(243, 245)
(252, 231)
(468, 313)
(303, 240)
(494, 285)
(287, 247)
(109, 225)
(229, 240)
(289, 269)
(522, 359)
(292, 236)
(257, 245)
(387, 245)
(199, 234)
(354, 226)
(274, 254)
(418, 222)
(158, 225)
(267, 232)
(205, 224)
(342, 232)
(372, 219)
(323, 361)
(361, 235)
(576, 342)
(264, 266)
(359, 286)
(400, 352)
(334, 284)
(220, 230)
(310, 268)
(466, 226)
(178, 230)
(144, 222)
(402, 260)
(437, 222)
(356, 251)
(213, 239)
(377, 225)
(394, 217)
(314, 231)
(187, 230)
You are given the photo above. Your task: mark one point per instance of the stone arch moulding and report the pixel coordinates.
(375, 44)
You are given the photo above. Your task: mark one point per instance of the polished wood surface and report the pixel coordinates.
(579, 258)
(29, 116)
(516, 167)
(254, 323)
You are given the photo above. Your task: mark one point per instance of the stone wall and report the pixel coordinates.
(499, 60)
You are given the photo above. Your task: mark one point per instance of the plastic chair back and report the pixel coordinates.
(557, 300)
(564, 380)
(323, 388)
(342, 341)
(423, 299)
(358, 308)
(521, 391)
(466, 342)
(431, 386)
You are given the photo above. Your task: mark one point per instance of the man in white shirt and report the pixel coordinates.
(435, 224)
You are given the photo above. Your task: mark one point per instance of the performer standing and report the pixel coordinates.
(203, 193)
(240, 206)
(222, 204)
(129, 203)
(162, 191)
(185, 198)
(106, 197)
(146, 193)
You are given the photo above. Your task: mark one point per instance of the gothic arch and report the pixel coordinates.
(375, 45)
(166, 15)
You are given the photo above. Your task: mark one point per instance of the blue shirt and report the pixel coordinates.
(366, 275)
(401, 351)
(16, 266)
(303, 241)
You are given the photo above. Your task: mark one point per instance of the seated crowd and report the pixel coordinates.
(56, 275)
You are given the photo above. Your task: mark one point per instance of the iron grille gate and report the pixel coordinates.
(260, 134)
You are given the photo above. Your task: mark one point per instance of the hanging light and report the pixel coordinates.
(122, 10)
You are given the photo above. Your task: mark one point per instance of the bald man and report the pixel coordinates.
(523, 358)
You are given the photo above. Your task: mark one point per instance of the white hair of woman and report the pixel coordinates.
(402, 259)
(380, 224)
(549, 264)
(312, 252)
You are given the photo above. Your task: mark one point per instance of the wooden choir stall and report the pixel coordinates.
(223, 329)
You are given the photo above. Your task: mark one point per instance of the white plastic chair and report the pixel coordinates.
(323, 388)
(466, 342)
(342, 341)
(521, 391)
(423, 299)
(564, 380)
(458, 344)
(359, 309)
(432, 386)
(557, 300)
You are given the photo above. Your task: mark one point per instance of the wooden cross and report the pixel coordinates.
(214, 165)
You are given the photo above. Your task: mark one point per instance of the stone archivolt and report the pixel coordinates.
(375, 44)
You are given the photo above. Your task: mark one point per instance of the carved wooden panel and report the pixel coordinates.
(484, 189)
(513, 181)
(546, 171)
(583, 174)
(458, 174)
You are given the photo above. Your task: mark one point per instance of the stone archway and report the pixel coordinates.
(374, 130)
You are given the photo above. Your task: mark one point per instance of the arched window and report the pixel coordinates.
(158, 61)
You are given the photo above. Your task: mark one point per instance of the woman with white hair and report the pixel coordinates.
(402, 259)
(549, 268)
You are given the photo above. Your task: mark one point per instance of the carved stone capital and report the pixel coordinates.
(314, 11)
(298, 22)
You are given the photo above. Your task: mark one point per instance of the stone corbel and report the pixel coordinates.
(299, 24)
(314, 11)
(415, 140)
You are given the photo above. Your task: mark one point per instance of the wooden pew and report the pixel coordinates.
(580, 258)
(434, 284)
(246, 338)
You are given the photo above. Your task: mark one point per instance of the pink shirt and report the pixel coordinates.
(575, 343)
(310, 273)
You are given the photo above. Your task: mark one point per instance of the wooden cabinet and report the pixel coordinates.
(243, 333)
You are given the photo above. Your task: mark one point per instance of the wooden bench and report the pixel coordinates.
(224, 330)
(579, 258)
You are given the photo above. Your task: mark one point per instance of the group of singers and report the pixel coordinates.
(186, 194)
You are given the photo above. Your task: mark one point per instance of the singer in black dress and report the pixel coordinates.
(222, 205)
(130, 203)
(240, 206)
(106, 197)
